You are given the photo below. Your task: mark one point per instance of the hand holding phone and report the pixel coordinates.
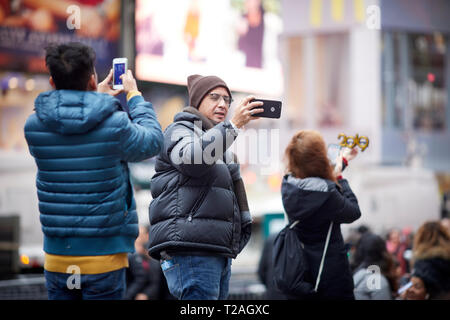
(244, 112)
(106, 87)
(272, 109)
(120, 66)
(128, 82)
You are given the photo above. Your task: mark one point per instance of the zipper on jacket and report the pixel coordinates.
(198, 203)
(232, 225)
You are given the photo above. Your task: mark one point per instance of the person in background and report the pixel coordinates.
(199, 215)
(81, 141)
(431, 257)
(251, 33)
(316, 195)
(371, 256)
(350, 243)
(414, 290)
(145, 280)
(396, 246)
(408, 238)
(136, 275)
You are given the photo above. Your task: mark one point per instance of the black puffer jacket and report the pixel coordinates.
(194, 208)
(316, 202)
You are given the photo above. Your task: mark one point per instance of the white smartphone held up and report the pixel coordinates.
(120, 66)
(333, 152)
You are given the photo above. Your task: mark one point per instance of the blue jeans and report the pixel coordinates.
(197, 277)
(102, 286)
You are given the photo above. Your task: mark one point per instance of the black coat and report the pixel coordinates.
(194, 208)
(316, 202)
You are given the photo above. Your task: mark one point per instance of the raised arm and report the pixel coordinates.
(345, 204)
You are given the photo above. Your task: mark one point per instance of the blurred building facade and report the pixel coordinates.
(379, 68)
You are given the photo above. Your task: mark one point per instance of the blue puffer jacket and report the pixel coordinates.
(81, 143)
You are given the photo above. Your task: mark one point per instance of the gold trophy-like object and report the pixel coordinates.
(350, 141)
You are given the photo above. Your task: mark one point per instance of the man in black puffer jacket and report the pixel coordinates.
(199, 215)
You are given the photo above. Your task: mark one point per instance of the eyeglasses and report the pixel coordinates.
(216, 97)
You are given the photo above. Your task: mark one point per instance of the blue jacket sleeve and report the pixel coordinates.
(141, 138)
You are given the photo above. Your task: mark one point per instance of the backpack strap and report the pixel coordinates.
(327, 241)
(323, 257)
(293, 224)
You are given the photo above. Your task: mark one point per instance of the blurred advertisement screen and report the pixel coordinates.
(28, 26)
(236, 40)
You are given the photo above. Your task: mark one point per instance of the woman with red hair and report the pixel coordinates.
(316, 194)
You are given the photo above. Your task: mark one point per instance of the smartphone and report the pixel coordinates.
(272, 109)
(333, 152)
(120, 66)
(405, 287)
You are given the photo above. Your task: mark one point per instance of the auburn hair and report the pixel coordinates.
(306, 156)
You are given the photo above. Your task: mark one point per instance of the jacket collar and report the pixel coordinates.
(205, 122)
(426, 252)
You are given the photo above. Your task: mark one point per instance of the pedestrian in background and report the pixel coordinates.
(199, 216)
(145, 280)
(415, 290)
(372, 258)
(317, 196)
(396, 246)
(351, 241)
(431, 257)
(81, 141)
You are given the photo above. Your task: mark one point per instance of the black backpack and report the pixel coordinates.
(290, 264)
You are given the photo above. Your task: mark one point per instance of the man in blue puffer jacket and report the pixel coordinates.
(81, 141)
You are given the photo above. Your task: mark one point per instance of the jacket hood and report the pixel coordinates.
(74, 112)
(192, 114)
(303, 197)
(426, 252)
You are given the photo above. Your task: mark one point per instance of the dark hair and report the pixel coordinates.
(371, 250)
(307, 156)
(363, 229)
(70, 65)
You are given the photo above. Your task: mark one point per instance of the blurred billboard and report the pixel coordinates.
(28, 26)
(234, 39)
